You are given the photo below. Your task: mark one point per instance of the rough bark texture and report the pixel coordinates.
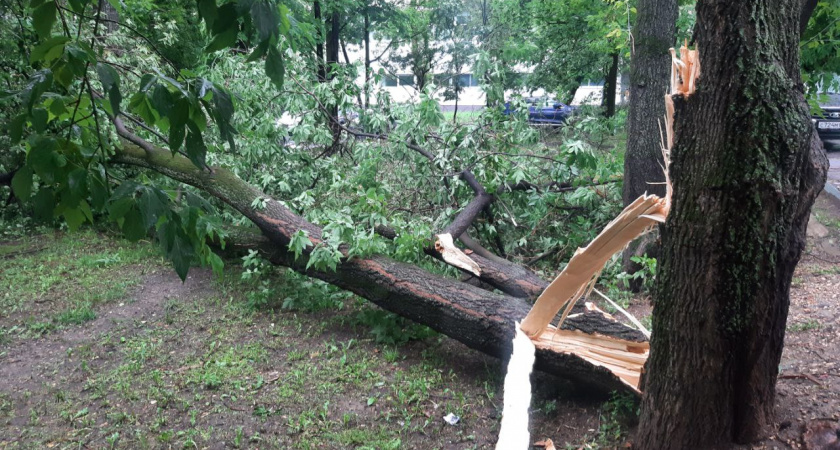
(808, 7)
(480, 319)
(746, 168)
(650, 69)
(319, 44)
(610, 86)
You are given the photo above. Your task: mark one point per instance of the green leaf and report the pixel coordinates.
(84, 207)
(132, 226)
(22, 183)
(40, 52)
(118, 209)
(161, 100)
(40, 118)
(43, 204)
(74, 218)
(274, 67)
(181, 255)
(39, 82)
(216, 264)
(77, 185)
(139, 104)
(152, 205)
(57, 107)
(177, 246)
(117, 6)
(299, 242)
(259, 51)
(266, 19)
(78, 6)
(178, 116)
(98, 190)
(16, 128)
(196, 150)
(110, 80)
(208, 11)
(223, 113)
(226, 18)
(285, 25)
(223, 40)
(41, 158)
(43, 18)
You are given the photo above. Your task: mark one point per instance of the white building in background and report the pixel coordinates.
(401, 84)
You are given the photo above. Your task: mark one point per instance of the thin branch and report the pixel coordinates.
(130, 28)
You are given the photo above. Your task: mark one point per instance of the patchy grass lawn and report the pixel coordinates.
(104, 347)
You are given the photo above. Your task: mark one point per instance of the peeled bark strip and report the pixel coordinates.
(654, 33)
(454, 256)
(478, 318)
(746, 168)
(575, 280)
(513, 431)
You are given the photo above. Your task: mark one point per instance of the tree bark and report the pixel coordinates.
(746, 168)
(480, 319)
(366, 32)
(112, 25)
(654, 34)
(610, 86)
(808, 7)
(319, 41)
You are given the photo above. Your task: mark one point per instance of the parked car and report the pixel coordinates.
(828, 122)
(545, 112)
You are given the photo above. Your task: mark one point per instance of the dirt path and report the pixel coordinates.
(29, 364)
(183, 365)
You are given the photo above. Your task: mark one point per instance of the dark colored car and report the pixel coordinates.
(550, 112)
(828, 123)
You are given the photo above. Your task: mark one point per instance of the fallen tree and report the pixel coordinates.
(481, 319)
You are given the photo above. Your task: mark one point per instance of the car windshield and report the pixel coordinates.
(830, 99)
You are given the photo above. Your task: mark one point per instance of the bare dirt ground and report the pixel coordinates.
(165, 364)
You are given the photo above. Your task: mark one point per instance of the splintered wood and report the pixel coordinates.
(625, 359)
(583, 269)
(453, 255)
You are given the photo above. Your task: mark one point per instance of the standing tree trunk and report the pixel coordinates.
(650, 64)
(746, 168)
(108, 12)
(319, 41)
(610, 86)
(367, 54)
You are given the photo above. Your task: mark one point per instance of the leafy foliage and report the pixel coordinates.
(226, 113)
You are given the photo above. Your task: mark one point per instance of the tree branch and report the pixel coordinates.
(482, 320)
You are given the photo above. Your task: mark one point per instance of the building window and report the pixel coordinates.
(406, 80)
(389, 81)
(467, 80)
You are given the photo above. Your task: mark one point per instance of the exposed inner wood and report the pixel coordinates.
(626, 359)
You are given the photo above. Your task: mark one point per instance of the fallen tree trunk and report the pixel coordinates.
(480, 319)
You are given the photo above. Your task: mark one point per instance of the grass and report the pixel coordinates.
(804, 326)
(58, 279)
(828, 220)
(831, 270)
(231, 364)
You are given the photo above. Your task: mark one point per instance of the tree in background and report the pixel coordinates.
(746, 168)
(587, 40)
(650, 69)
(820, 35)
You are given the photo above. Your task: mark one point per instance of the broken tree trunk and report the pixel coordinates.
(480, 319)
(746, 168)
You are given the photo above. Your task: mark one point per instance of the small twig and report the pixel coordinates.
(803, 376)
(822, 259)
(629, 316)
